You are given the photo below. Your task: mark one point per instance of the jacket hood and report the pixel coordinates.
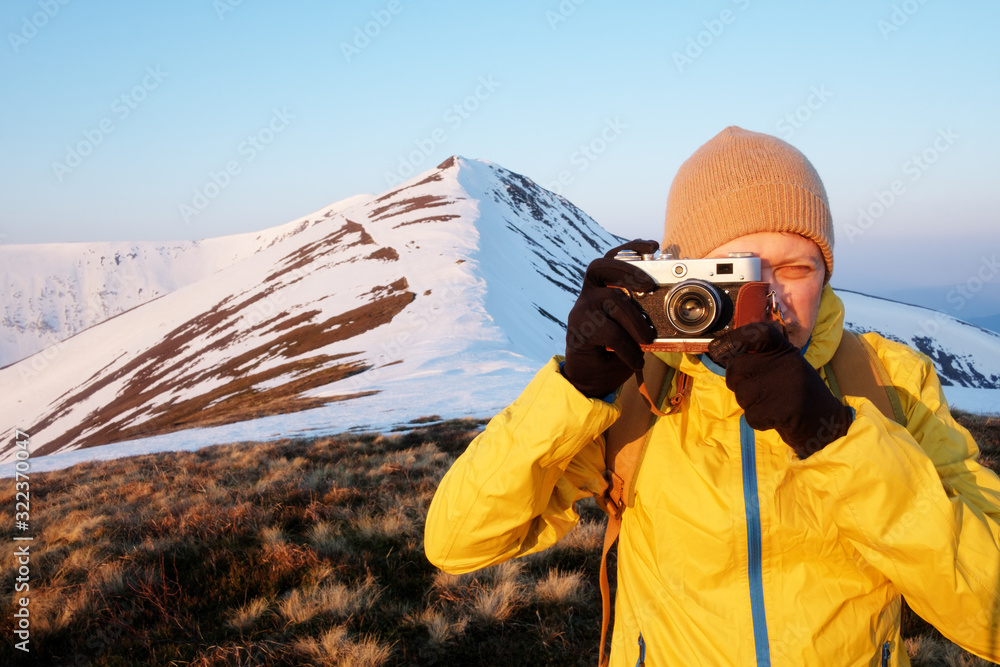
(828, 330)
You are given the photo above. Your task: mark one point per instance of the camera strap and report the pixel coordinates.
(644, 392)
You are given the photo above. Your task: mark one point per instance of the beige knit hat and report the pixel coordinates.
(740, 183)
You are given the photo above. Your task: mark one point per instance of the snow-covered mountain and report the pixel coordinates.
(451, 285)
(441, 296)
(52, 291)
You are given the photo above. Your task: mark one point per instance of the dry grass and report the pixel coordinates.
(441, 628)
(243, 619)
(108, 579)
(334, 647)
(450, 584)
(277, 553)
(384, 525)
(302, 553)
(586, 536)
(327, 540)
(930, 651)
(336, 600)
(495, 603)
(560, 588)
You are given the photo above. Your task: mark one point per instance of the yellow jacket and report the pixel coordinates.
(736, 552)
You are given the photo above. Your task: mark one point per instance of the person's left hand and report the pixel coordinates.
(778, 389)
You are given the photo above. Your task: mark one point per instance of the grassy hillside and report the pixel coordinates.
(301, 552)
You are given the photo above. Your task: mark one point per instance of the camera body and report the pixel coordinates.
(698, 300)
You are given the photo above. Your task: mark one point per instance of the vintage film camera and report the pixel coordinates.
(698, 300)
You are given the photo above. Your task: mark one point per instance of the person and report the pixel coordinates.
(772, 523)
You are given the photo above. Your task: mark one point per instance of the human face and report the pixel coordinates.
(794, 267)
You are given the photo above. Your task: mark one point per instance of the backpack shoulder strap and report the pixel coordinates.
(625, 439)
(624, 443)
(856, 370)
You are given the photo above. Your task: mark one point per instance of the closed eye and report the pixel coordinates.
(794, 271)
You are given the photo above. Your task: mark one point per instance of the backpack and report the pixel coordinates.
(854, 370)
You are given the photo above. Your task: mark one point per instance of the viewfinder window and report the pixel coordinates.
(724, 269)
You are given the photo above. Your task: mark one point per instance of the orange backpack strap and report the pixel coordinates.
(623, 447)
(856, 370)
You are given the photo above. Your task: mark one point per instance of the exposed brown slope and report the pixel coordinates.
(143, 405)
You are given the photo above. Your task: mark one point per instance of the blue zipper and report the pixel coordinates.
(748, 442)
(886, 653)
(641, 662)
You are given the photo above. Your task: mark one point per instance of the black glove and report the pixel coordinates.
(606, 325)
(778, 389)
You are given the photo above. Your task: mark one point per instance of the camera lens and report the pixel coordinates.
(691, 309)
(693, 306)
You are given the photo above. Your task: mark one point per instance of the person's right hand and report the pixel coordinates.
(606, 326)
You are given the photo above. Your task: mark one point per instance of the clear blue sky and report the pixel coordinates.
(162, 95)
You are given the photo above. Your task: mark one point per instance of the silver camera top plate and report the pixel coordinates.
(738, 267)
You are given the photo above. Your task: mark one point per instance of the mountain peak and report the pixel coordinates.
(442, 295)
(450, 162)
(464, 269)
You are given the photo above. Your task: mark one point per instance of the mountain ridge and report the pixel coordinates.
(268, 331)
(82, 284)
(442, 296)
